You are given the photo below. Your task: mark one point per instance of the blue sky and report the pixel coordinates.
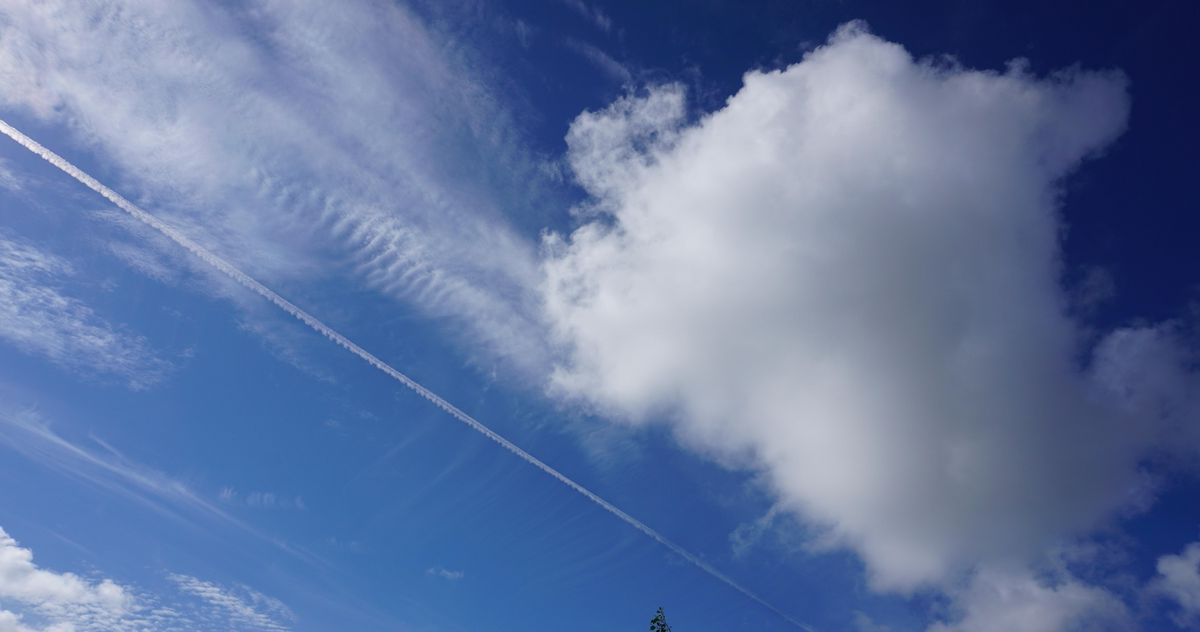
(886, 314)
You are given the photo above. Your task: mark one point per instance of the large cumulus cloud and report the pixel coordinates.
(848, 279)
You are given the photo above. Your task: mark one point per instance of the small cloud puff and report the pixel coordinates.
(438, 571)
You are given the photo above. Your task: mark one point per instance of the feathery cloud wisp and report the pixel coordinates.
(349, 130)
(25, 432)
(39, 318)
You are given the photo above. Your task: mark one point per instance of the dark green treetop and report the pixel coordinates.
(659, 622)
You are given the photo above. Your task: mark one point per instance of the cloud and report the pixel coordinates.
(103, 466)
(234, 274)
(304, 142)
(50, 601)
(1149, 371)
(11, 622)
(1178, 580)
(593, 14)
(262, 500)
(776, 528)
(998, 602)
(144, 260)
(864, 623)
(243, 608)
(9, 180)
(283, 339)
(601, 60)
(847, 280)
(64, 600)
(442, 573)
(39, 318)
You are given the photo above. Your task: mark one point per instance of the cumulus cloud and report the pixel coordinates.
(64, 600)
(1178, 580)
(1001, 601)
(11, 622)
(848, 280)
(38, 317)
(50, 601)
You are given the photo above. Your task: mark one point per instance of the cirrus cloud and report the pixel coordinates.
(38, 317)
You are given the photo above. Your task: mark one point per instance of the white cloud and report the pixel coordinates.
(144, 260)
(864, 623)
(1150, 374)
(243, 608)
(596, 16)
(446, 574)
(847, 279)
(262, 500)
(11, 622)
(1003, 601)
(37, 317)
(50, 601)
(1178, 580)
(64, 600)
(602, 60)
(101, 465)
(8, 179)
(282, 338)
(302, 140)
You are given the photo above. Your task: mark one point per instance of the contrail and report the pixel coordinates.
(325, 330)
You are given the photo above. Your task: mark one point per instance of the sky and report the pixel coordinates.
(462, 315)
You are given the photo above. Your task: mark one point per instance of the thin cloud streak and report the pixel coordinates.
(316, 325)
(26, 434)
(39, 319)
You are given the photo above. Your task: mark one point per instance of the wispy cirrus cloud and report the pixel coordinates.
(101, 465)
(602, 60)
(8, 178)
(352, 141)
(26, 432)
(594, 14)
(39, 317)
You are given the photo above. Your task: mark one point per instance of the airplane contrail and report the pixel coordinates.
(325, 330)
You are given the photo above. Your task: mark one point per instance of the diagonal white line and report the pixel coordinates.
(325, 330)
